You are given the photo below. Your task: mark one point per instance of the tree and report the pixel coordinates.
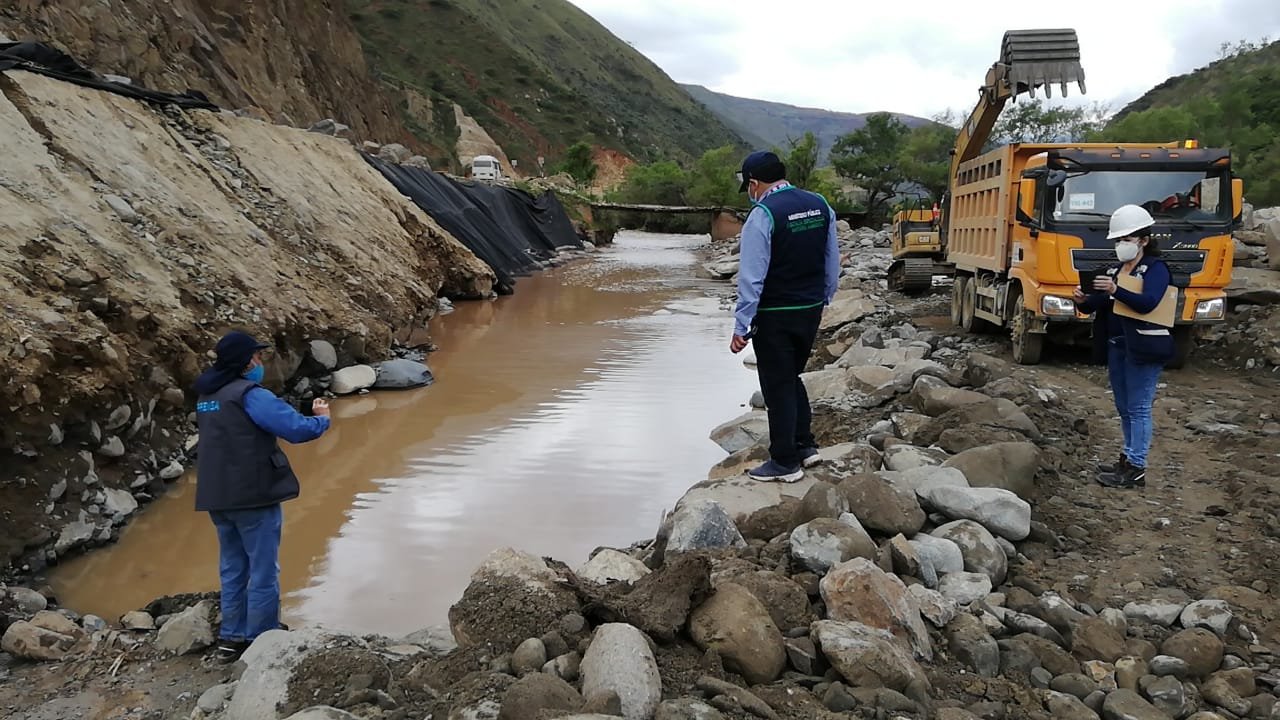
(579, 162)
(926, 155)
(1036, 121)
(871, 156)
(712, 180)
(801, 159)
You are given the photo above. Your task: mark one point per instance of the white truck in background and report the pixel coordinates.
(486, 167)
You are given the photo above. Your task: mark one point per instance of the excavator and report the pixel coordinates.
(1021, 223)
(916, 243)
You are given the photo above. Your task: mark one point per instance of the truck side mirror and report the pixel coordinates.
(1237, 199)
(1026, 202)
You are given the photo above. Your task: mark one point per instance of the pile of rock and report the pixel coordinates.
(863, 237)
(855, 244)
(1257, 242)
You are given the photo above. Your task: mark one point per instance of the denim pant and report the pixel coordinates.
(249, 551)
(783, 343)
(1134, 387)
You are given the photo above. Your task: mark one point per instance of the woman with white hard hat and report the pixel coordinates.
(1137, 349)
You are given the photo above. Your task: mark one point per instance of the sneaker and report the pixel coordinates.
(774, 471)
(1131, 476)
(1118, 467)
(229, 651)
(810, 457)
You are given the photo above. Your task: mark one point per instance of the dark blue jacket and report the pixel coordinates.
(240, 464)
(797, 275)
(1143, 342)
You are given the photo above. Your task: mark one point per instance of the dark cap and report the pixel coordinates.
(236, 349)
(763, 166)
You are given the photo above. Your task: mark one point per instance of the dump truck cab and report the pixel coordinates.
(1053, 204)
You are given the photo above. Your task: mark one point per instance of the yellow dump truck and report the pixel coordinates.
(1021, 222)
(916, 242)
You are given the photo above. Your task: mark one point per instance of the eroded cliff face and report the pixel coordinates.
(131, 238)
(298, 61)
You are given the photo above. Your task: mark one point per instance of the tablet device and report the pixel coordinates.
(1086, 280)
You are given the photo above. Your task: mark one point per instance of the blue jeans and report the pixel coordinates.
(1134, 387)
(249, 552)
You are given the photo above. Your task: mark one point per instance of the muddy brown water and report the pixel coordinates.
(565, 417)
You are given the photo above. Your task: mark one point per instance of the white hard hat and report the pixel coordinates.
(1127, 220)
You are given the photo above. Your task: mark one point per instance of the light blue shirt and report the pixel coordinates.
(756, 248)
(280, 419)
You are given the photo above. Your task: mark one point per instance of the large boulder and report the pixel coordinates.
(971, 644)
(870, 657)
(823, 500)
(353, 379)
(882, 506)
(1095, 639)
(47, 636)
(700, 525)
(753, 505)
(981, 369)
(784, 598)
(846, 307)
(1129, 705)
(859, 590)
(888, 357)
(1200, 649)
(619, 661)
(270, 662)
(979, 418)
(822, 544)
(323, 353)
(512, 596)
(538, 692)
(902, 458)
(401, 373)
(964, 588)
(1000, 511)
(189, 631)
(943, 555)
(609, 566)
(738, 627)
(934, 397)
(980, 550)
(1010, 466)
(742, 432)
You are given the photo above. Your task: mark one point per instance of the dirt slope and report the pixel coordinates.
(131, 239)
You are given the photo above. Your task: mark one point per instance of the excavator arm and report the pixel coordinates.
(1028, 60)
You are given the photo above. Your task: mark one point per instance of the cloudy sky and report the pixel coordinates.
(867, 55)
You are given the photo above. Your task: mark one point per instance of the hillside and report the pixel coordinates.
(765, 124)
(537, 76)
(1234, 102)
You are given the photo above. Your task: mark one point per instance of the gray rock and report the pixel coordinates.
(741, 432)
(999, 511)
(619, 661)
(352, 379)
(1008, 465)
(1167, 695)
(567, 667)
(55, 434)
(24, 600)
(757, 400)
(1040, 678)
(58, 489)
(935, 607)
(401, 374)
(923, 479)
(933, 396)
(803, 655)
(172, 471)
(941, 554)
(686, 709)
(610, 565)
(980, 550)
(702, 524)
(329, 127)
(824, 543)
(119, 418)
(112, 448)
(529, 657)
(189, 631)
(324, 712)
(1128, 705)
(1067, 707)
(907, 457)
(270, 662)
(323, 352)
(964, 588)
(121, 208)
(1157, 612)
(870, 657)
(1212, 614)
(119, 504)
(395, 153)
(971, 644)
(137, 620)
(74, 535)
(93, 624)
(215, 698)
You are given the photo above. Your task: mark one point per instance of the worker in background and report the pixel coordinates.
(789, 271)
(242, 477)
(1136, 349)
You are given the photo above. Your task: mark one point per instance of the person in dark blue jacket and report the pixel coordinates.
(242, 477)
(789, 272)
(1137, 350)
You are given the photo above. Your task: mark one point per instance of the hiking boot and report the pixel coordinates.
(776, 472)
(1119, 467)
(809, 457)
(1131, 476)
(229, 651)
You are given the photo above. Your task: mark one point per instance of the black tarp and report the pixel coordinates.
(507, 228)
(46, 60)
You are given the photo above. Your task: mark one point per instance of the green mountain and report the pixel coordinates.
(1233, 102)
(538, 75)
(766, 124)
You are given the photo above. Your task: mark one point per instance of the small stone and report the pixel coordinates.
(121, 208)
(1129, 670)
(1041, 678)
(1075, 684)
(25, 600)
(189, 631)
(1213, 614)
(529, 657)
(137, 620)
(172, 471)
(964, 588)
(1157, 612)
(112, 448)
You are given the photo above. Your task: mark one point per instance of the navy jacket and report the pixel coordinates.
(797, 275)
(1143, 342)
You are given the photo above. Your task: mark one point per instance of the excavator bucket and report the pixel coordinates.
(1035, 58)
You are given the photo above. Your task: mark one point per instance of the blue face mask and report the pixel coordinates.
(255, 375)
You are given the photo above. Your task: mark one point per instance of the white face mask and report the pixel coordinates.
(1127, 250)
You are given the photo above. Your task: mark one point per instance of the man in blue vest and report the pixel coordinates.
(242, 477)
(790, 268)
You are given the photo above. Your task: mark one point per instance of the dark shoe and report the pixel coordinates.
(772, 471)
(809, 457)
(1131, 477)
(1119, 467)
(229, 651)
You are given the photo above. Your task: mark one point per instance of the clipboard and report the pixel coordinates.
(1163, 315)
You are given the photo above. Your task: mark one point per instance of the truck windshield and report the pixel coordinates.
(1172, 196)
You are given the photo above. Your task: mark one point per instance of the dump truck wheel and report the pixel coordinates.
(957, 300)
(1183, 343)
(968, 302)
(1027, 346)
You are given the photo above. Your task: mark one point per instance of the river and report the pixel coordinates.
(565, 417)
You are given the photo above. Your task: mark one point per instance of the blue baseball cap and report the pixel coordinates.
(236, 349)
(761, 165)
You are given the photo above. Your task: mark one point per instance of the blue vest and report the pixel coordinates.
(1143, 342)
(797, 275)
(239, 465)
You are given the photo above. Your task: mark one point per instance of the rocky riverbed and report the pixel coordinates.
(951, 559)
